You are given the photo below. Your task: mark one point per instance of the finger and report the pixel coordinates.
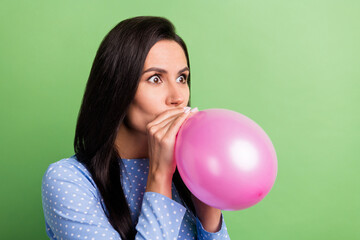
(176, 124)
(165, 121)
(160, 133)
(163, 131)
(153, 129)
(166, 114)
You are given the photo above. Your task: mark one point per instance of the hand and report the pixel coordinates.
(161, 140)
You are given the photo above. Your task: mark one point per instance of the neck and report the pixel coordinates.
(131, 144)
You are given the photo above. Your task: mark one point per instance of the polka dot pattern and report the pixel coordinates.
(73, 207)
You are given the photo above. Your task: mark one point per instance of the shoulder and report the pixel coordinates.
(71, 202)
(68, 171)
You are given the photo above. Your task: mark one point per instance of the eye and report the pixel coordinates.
(155, 79)
(183, 78)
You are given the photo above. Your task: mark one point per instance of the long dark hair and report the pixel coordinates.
(110, 89)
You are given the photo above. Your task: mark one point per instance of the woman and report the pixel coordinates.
(122, 183)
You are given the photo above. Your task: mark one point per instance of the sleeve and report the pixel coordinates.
(202, 234)
(160, 217)
(71, 208)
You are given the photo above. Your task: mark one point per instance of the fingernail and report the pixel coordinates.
(187, 109)
(195, 110)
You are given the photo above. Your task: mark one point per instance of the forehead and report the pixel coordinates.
(166, 53)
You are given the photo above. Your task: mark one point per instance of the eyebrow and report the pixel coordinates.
(155, 69)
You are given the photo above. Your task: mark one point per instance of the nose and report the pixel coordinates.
(175, 96)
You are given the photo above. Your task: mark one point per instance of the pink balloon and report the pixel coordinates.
(225, 159)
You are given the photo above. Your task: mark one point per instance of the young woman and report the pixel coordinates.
(122, 183)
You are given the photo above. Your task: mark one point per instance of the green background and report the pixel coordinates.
(291, 66)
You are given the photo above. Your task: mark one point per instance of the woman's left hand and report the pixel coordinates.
(209, 217)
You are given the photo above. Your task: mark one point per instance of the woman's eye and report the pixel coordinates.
(183, 78)
(155, 79)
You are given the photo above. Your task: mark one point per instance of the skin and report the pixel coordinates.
(154, 118)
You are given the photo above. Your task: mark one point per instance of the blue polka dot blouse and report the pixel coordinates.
(73, 207)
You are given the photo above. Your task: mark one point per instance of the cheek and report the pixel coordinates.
(187, 94)
(143, 110)
(149, 104)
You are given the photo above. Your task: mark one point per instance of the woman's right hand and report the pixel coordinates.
(161, 140)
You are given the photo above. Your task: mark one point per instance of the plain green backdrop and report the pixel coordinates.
(291, 66)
